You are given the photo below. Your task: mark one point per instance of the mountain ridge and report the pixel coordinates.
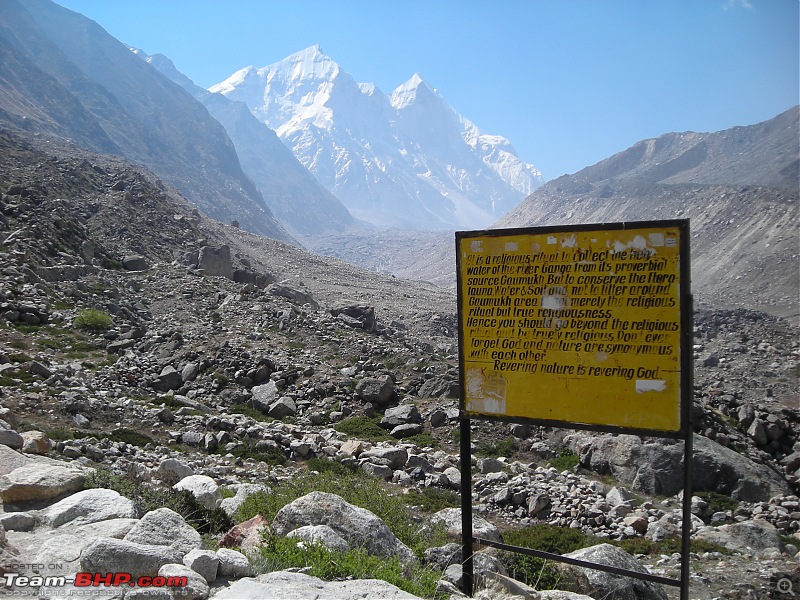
(91, 90)
(406, 159)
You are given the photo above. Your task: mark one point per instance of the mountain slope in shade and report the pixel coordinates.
(739, 188)
(404, 160)
(64, 75)
(296, 199)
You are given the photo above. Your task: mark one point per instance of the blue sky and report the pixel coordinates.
(569, 82)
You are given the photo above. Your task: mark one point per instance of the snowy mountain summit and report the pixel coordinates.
(404, 160)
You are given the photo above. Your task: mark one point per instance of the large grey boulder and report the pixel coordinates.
(106, 555)
(450, 518)
(203, 488)
(358, 526)
(391, 456)
(746, 537)
(285, 585)
(322, 535)
(35, 482)
(89, 506)
(165, 527)
(377, 391)
(172, 470)
(216, 261)
(655, 467)
(600, 584)
(196, 587)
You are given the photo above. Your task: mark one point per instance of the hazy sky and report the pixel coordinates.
(569, 82)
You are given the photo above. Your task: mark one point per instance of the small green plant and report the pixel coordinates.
(535, 571)
(670, 545)
(278, 553)
(564, 461)
(433, 499)
(129, 436)
(18, 344)
(718, 502)
(363, 428)
(249, 411)
(504, 447)
(248, 449)
(424, 440)
(92, 319)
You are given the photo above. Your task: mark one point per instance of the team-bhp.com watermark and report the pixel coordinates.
(20, 584)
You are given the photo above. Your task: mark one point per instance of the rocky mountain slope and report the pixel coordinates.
(405, 160)
(240, 359)
(64, 76)
(297, 200)
(739, 187)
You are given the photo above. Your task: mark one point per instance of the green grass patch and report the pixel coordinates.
(18, 344)
(503, 447)
(283, 553)
(539, 572)
(423, 440)
(363, 428)
(667, 546)
(718, 502)
(433, 499)
(248, 449)
(92, 319)
(357, 489)
(565, 461)
(26, 328)
(129, 436)
(249, 411)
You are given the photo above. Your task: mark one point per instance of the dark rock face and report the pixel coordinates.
(655, 468)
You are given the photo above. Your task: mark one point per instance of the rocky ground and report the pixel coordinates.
(222, 346)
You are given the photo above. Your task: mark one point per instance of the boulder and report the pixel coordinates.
(358, 526)
(400, 415)
(394, 457)
(216, 261)
(89, 506)
(322, 535)
(196, 587)
(204, 562)
(165, 527)
(294, 295)
(171, 471)
(654, 467)
(135, 262)
(203, 488)
(451, 519)
(376, 391)
(232, 564)
(748, 537)
(600, 584)
(105, 555)
(35, 482)
(286, 585)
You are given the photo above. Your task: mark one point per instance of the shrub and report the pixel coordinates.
(504, 447)
(129, 436)
(718, 502)
(564, 461)
(284, 553)
(535, 571)
(433, 499)
(363, 428)
(93, 320)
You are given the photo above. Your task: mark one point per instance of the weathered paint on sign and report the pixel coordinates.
(577, 326)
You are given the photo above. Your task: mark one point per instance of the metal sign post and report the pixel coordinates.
(583, 327)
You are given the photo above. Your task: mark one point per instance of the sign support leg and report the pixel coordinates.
(466, 506)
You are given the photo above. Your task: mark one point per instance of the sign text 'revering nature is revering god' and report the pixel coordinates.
(575, 326)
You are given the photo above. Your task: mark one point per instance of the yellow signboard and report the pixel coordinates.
(574, 325)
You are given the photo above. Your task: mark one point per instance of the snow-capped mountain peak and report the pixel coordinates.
(404, 160)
